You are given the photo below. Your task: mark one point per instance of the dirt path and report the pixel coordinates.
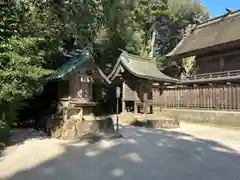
(191, 152)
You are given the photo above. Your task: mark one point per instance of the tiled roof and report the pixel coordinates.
(77, 60)
(145, 68)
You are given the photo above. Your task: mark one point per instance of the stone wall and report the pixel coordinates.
(222, 118)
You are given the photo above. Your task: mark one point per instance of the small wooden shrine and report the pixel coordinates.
(77, 83)
(140, 82)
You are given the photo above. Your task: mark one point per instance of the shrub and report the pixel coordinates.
(4, 133)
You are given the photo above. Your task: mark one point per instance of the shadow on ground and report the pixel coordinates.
(19, 136)
(142, 154)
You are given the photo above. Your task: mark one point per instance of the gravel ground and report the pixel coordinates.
(190, 152)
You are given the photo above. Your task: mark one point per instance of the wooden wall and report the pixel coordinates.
(219, 62)
(129, 91)
(139, 91)
(226, 97)
(78, 87)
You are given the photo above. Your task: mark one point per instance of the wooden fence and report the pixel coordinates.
(207, 97)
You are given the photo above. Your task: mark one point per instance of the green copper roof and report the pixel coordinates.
(76, 60)
(145, 68)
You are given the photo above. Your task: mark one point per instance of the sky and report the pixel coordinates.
(217, 7)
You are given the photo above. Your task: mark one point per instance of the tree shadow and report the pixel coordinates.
(19, 136)
(142, 154)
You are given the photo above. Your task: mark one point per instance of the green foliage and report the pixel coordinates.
(20, 68)
(125, 27)
(4, 133)
(20, 71)
(9, 19)
(172, 17)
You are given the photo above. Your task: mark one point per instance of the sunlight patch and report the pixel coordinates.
(91, 153)
(139, 135)
(189, 138)
(133, 157)
(117, 172)
(107, 144)
(220, 149)
(80, 144)
(159, 144)
(132, 141)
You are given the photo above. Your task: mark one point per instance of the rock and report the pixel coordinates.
(69, 130)
(77, 129)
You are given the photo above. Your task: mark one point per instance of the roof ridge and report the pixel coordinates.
(219, 18)
(140, 58)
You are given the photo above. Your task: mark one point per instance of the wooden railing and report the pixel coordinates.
(215, 75)
(208, 97)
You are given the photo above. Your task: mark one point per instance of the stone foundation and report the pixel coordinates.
(222, 118)
(156, 124)
(150, 121)
(78, 129)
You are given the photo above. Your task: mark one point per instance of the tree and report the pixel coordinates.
(20, 65)
(20, 70)
(125, 27)
(172, 17)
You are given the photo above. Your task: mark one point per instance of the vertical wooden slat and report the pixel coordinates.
(192, 98)
(238, 95)
(230, 100)
(174, 98)
(204, 97)
(210, 97)
(218, 94)
(224, 97)
(234, 97)
(195, 99)
(198, 101)
(220, 97)
(227, 97)
(185, 98)
(177, 97)
(201, 97)
(167, 98)
(215, 97)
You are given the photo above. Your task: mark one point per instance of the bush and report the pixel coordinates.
(4, 133)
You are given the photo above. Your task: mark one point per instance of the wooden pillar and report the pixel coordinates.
(145, 104)
(123, 106)
(145, 107)
(135, 108)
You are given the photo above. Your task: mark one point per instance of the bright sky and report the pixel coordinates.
(217, 7)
